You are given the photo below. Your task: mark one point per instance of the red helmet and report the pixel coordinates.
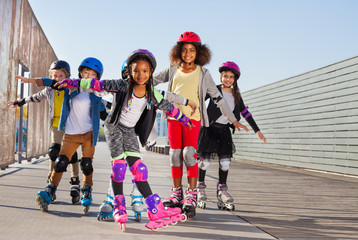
(230, 66)
(189, 37)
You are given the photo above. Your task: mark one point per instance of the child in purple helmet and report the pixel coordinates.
(133, 113)
(216, 140)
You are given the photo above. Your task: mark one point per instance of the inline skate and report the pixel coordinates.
(137, 203)
(158, 214)
(175, 199)
(119, 212)
(86, 199)
(225, 201)
(190, 202)
(44, 198)
(201, 195)
(75, 189)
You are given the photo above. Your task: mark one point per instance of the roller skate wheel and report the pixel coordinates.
(173, 223)
(155, 229)
(75, 200)
(165, 226)
(184, 218)
(99, 216)
(86, 209)
(41, 202)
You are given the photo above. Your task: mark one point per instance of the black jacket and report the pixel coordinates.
(214, 113)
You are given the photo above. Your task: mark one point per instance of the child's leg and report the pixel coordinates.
(190, 141)
(53, 152)
(176, 153)
(87, 156)
(69, 146)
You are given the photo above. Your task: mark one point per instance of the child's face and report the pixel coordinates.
(88, 73)
(227, 78)
(188, 53)
(141, 71)
(58, 75)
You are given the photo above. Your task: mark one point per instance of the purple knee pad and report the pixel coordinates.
(139, 171)
(119, 168)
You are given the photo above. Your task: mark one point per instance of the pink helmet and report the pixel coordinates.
(189, 37)
(230, 66)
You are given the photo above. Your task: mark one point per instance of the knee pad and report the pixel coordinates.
(175, 157)
(188, 154)
(139, 171)
(61, 164)
(204, 163)
(74, 158)
(119, 168)
(53, 151)
(86, 166)
(225, 164)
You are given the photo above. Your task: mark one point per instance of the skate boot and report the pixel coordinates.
(119, 213)
(86, 198)
(161, 216)
(137, 203)
(190, 202)
(44, 198)
(225, 201)
(75, 189)
(201, 195)
(106, 209)
(175, 199)
(54, 194)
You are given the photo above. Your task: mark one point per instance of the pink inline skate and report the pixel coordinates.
(119, 212)
(160, 216)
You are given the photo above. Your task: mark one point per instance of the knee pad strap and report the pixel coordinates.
(86, 166)
(139, 171)
(119, 168)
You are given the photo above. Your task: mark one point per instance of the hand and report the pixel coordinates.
(11, 104)
(25, 80)
(17, 103)
(186, 121)
(193, 107)
(238, 125)
(261, 136)
(68, 83)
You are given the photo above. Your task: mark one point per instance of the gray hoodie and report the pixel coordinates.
(207, 86)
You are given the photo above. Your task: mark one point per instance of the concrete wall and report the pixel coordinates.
(310, 120)
(22, 41)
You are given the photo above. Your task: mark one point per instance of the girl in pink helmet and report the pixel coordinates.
(187, 77)
(215, 140)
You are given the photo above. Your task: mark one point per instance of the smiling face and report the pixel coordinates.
(88, 73)
(58, 75)
(227, 78)
(141, 71)
(188, 53)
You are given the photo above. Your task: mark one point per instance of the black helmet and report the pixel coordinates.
(61, 64)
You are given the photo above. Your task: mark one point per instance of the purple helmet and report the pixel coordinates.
(230, 66)
(144, 53)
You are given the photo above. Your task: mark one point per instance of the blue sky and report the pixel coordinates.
(270, 40)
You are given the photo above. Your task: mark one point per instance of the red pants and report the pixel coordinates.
(181, 137)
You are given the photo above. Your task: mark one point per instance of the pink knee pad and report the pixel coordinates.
(139, 171)
(119, 168)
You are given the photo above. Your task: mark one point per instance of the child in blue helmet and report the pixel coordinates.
(59, 70)
(80, 119)
(133, 113)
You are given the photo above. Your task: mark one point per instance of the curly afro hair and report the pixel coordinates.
(203, 54)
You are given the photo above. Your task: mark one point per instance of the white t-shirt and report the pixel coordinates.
(231, 102)
(79, 120)
(131, 114)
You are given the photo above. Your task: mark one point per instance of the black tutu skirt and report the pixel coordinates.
(215, 141)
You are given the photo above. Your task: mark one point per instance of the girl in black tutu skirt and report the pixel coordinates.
(215, 141)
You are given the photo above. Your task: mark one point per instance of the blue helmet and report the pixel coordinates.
(92, 63)
(124, 70)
